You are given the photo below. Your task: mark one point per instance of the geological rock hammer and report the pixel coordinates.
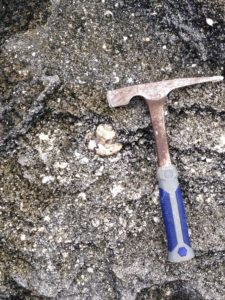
(171, 200)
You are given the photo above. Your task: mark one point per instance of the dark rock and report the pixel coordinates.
(77, 226)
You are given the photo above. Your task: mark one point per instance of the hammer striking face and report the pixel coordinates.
(171, 199)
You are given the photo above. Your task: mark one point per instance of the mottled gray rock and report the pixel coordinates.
(75, 225)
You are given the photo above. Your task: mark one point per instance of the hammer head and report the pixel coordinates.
(154, 91)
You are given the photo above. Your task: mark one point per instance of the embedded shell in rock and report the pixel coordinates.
(105, 133)
(76, 223)
(105, 144)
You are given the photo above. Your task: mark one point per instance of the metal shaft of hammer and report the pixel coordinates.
(171, 199)
(156, 111)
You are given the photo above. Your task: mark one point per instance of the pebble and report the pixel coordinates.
(22, 237)
(24, 160)
(209, 21)
(95, 222)
(130, 80)
(60, 165)
(116, 189)
(84, 161)
(47, 179)
(43, 137)
(200, 198)
(156, 219)
(221, 144)
(90, 270)
(92, 145)
(82, 196)
(99, 171)
(123, 222)
(104, 46)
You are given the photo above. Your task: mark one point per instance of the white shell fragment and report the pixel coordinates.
(104, 143)
(105, 132)
(108, 149)
(209, 21)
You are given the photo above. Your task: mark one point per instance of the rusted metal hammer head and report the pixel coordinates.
(153, 91)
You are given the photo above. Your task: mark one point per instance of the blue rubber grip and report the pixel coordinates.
(173, 212)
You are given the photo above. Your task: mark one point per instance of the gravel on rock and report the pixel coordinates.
(78, 225)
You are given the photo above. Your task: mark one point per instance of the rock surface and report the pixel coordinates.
(74, 225)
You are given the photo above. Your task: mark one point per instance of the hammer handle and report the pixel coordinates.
(174, 216)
